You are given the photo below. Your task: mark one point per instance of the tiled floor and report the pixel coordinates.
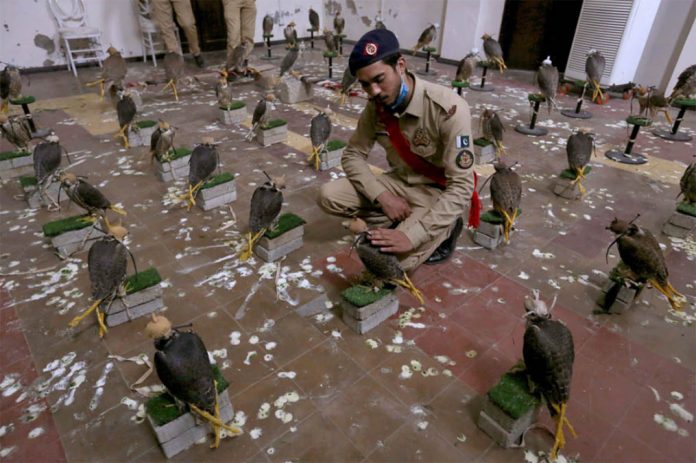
(64, 397)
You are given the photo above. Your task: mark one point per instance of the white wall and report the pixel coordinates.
(635, 38)
(687, 57)
(466, 21)
(285, 11)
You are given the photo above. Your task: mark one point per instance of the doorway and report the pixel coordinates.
(531, 30)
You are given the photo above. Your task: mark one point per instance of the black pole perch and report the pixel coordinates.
(311, 37)
(482, 87)
(674, 135)
(267, 40)
(578, 113)
(340, 43)
(536, 100)
(24, 102)
(330, 55)
(428, 59)
(459, 85)
(627, 156)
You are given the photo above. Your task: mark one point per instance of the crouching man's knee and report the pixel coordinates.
(327, 199)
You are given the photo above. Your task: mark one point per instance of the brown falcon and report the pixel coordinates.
(267, 24)
(594, 68)
(114, 69)
(202, 164)
(16, 130)
(319, 132)
(686, 84)
(579, 149)
(687, 184)
(339, 23)
(467, 66)
(10, 86)
(494, 52)
(173, 70)
(290, 35)
(426, 38)
(547, 80)
(651, 101)
(506, 194)
(549, 354)
(314, 20)
(266, 203)
(493, 128)
(641, 253)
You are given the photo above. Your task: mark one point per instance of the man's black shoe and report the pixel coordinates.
(446, 248)
(199, 61)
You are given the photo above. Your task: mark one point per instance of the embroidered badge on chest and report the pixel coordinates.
(465, 159)
(420, 137)
(451, 112)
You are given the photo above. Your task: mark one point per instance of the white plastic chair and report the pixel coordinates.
(72, 25)
(150, 34)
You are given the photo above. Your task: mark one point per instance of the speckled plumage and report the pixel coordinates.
(687, 183)
(107, 262)
(266, 203)
(466, 67)
(47, 157)
(202, 164)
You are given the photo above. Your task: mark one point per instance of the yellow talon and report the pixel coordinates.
(561, 420)
(216, 422)
(102, 326)
(76, 321)
(406, 283)
(251, 241)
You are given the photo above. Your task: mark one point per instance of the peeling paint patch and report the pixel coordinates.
(45, 43)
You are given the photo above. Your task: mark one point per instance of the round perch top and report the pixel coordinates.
(158, 327)
(208, 140)
(637, 120)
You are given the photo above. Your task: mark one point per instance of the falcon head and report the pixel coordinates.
(535, 307)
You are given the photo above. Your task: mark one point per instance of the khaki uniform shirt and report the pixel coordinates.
(437, 125)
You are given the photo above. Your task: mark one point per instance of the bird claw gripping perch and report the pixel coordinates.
(172, 84)
(100, 318)
(315, 157)
(673, 296)
(579, 177)
(216, 421)
(508, 223)
(190, 197)
(249, 246)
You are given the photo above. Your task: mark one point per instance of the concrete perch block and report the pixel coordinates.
(136, 305)
(70, 242)
(679, 225)
(183, 432)
(268, 137)
(565, 188)
(176, 169)
(623, 301)
(276, 252)
(210, 198)
(314, 306)
(484, 154)
(233, 116)
(293, 90)
(330, 159)
(363, 319)
(141, 137)
(21, 164)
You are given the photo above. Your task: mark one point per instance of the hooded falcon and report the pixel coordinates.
(579, 149)
(494, 52)
(506, 193)
(385, 267)
(202, 164)
(107, 262)
(549, 354)
(266, 203)
(319, 132)
(686, 84)
(426, 38)
(547, 80)
(183, 366)
(641, 253)
(594, 68)
(493, 128)
(467, 66)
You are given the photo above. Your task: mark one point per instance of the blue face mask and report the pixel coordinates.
(403, 93)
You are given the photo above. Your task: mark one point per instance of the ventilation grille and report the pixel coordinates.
(601, 26)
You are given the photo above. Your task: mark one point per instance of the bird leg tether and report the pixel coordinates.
(216, 422)
(99, 82)
(561, 420)
(172, 84)
(406, 283)
(508, 222)
(251, 242)
(316, 156)
(100, 318)
(670, 293)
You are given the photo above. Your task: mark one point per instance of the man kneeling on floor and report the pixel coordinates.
(414, 209)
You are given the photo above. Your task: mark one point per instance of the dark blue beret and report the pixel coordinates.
(372, 47)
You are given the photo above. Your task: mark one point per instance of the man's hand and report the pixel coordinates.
(394, 207)
(388, 240)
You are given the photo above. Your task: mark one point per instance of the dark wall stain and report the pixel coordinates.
(366, 21)
(48, 62)
(350, 4)
(44, 42)
(7, 27)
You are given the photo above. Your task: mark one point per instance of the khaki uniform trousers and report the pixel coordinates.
(240, 20)
(342, 199)
(164, 19)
